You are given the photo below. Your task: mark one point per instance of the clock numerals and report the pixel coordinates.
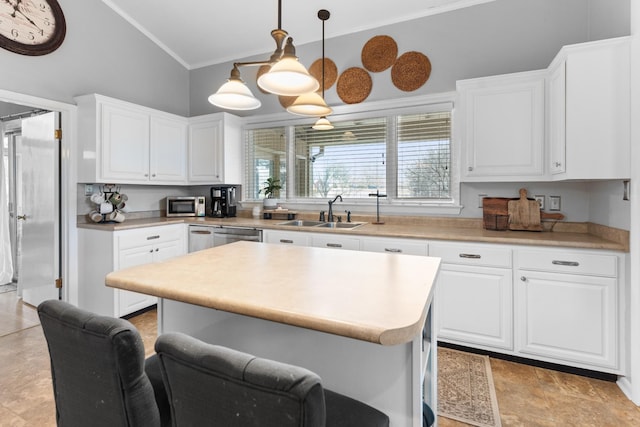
(31, 27)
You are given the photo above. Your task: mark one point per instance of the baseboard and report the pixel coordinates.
(139, 312)
(537, 363)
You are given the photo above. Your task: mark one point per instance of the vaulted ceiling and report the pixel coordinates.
(198, 33)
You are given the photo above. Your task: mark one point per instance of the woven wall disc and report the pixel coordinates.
(330, 72)
(286, 101)
(263, 69)
(354, 85)
(379, 53)
(411, 70)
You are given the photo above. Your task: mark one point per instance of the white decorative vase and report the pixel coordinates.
(269, 203)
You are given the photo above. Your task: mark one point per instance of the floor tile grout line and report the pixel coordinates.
(17, 331)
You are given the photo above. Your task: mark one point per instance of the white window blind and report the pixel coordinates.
(349, 160)
(424, 156)
(266, 151)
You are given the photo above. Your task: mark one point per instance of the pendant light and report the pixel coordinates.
(312, 104)
(287, 75)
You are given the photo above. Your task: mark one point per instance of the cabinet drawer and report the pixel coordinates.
(396, 246)
(335, 242)
(149, 236)
(471, 255)
(286, 238)
(569, 262)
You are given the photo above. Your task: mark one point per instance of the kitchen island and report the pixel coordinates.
(360, 320)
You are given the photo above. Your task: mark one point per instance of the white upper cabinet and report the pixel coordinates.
(500, 124)
(215, 149)
(589, 111)
(124, 143)
(168, 155)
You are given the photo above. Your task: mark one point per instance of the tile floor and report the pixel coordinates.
(527, 396)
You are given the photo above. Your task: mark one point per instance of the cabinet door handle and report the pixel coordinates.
(200, 232)
(286, 241)
(394, 250)
(470, 168)
(472, 256)
(334, 245)
(153, 237)
(567, 263)
(558, 164)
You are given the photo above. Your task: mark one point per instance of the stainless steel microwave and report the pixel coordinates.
(185, 206)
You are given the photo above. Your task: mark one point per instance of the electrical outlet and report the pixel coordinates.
(554, 203)
(480, 197)
(540, 200)
(88, 189)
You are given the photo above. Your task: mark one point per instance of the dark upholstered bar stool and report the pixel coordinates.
(100, 376)
(217, 386)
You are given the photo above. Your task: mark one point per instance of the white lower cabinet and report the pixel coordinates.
(474, 295)
(335, 241)
(102, 252)
(567, 306)
(295, 238)
(395, 246)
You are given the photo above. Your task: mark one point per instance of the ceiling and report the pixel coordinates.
(198, 33)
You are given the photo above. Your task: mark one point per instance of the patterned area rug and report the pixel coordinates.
(465, 388)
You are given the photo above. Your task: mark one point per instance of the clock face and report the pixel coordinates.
(31, 27)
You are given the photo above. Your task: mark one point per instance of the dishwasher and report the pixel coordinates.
(209, 236)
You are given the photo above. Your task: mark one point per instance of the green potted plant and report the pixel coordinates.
(270, 191)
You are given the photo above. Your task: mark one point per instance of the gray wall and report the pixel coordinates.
(102, 53)
(499, 37)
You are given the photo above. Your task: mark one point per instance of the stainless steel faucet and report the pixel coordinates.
(331, 202)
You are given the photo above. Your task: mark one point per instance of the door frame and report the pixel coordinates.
(68, 185)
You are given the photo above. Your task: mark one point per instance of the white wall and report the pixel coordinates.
(498, 37)
(101, 53)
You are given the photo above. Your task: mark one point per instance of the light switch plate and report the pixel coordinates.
(554, 203)
(88, 189)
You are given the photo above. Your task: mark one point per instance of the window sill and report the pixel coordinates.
(387, 207)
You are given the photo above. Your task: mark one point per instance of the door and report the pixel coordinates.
(40, 217)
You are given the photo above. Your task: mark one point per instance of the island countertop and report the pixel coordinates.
(375, 297)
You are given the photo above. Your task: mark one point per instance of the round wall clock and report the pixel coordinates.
(31, 27)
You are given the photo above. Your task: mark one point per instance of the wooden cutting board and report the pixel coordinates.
(524, 214)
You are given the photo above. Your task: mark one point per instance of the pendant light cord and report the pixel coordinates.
(323, 14)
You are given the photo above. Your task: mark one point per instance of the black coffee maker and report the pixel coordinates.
(223, 201)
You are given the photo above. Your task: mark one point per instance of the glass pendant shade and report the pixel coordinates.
(288, 77)
(235, 95)
(322, 124)
(310, 104)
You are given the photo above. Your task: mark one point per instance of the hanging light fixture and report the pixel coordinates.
(312, 104)
(287, 75)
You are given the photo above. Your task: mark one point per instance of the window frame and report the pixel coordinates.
(394, 108)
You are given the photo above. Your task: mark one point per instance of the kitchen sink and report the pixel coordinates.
(302, 223)
(320, 224)
(347, 225)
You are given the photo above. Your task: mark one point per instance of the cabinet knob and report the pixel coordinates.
(523, 278)
(157, 249)
(470, 168)
(153, 175)
(558, 164)
(146, 174)
(151, 251)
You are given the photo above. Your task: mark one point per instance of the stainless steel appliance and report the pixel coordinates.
(185, 206)
(208, 236)
(223, 200)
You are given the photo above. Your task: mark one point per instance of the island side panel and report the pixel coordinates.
(381, 376)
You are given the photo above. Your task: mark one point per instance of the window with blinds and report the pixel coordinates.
(404, 156)
(424, 156)
(349, 160)
(266, 157)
